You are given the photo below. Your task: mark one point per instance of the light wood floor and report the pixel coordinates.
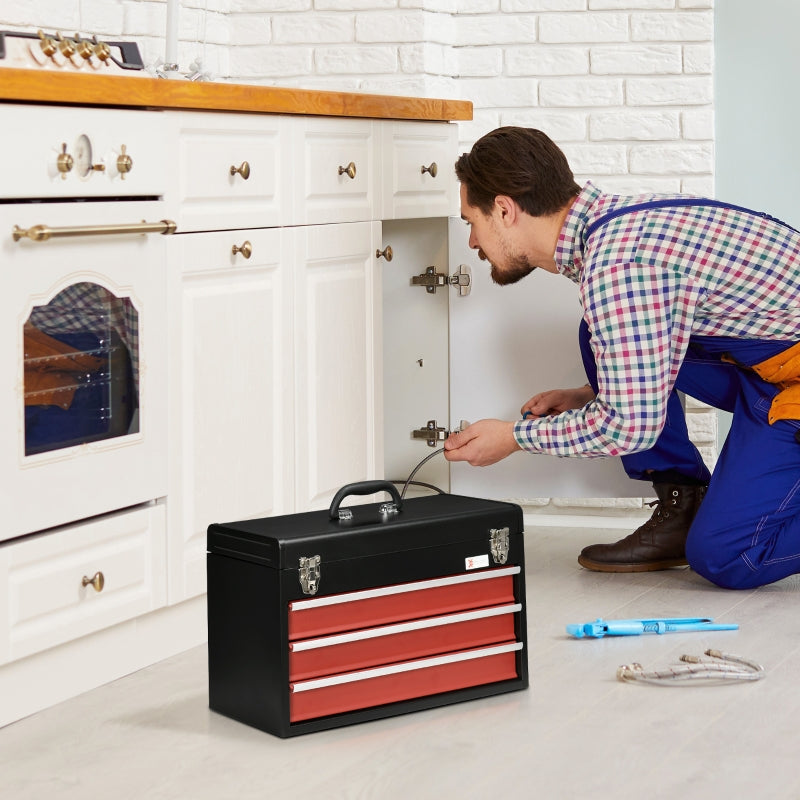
(576, 733)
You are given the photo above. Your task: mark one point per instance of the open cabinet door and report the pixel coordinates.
(415, 349)
(506, 344)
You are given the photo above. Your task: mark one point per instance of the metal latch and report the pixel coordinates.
(499, 541)
(432, 280)
(309, 574)
(433, 434)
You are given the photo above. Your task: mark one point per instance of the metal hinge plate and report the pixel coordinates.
(432, 433)
(432, 280)
(499, 544)
(309, 574)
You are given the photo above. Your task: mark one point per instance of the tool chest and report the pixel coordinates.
(330, 618)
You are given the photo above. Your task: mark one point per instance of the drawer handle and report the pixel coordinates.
(349, 170)
(433, 170)
(243, 170)
(97, 581)
(385, 253)
(246, 249)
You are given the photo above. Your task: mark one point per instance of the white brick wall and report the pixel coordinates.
(625, 86)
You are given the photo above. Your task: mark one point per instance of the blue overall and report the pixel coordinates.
(747, 531)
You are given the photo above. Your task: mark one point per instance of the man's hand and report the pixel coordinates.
(557, 400)
(482, 443)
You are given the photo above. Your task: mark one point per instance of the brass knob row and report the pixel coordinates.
(65, 162)
(97, 581)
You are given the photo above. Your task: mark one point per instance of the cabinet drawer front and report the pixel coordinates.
(337, 180)
(224, 251)
(390, 604)
(49, 591)
(419, 178)
(231, 173)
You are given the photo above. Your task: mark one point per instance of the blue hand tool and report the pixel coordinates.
(634, 627)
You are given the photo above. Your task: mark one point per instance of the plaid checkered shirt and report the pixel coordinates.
(649, 280)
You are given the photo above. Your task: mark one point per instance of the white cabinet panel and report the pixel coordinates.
(232, 171)
(231, 411)
(338, 380)
(415, 349)
(336, 170)
(47, 596)
(418, 174)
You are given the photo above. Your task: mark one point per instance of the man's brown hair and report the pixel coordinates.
(522, 163)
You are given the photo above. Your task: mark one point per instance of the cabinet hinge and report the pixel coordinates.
(432, 433)
(432, 280)
(499, 544)
(309, 574)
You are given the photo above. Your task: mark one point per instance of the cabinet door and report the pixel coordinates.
(230, 407)
(418, 175)
(415, 347)
(338, 377)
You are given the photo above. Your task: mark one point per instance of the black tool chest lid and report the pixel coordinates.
(421, 522)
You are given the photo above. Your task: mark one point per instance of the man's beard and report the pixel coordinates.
(518, 268)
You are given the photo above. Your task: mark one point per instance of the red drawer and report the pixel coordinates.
(388, 604)
(358, 650)
(390, 684)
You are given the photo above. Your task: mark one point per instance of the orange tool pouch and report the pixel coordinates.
(783, 370)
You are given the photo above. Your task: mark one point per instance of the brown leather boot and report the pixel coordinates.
(658, 544)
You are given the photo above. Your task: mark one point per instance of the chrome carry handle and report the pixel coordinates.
(41, 233)
(365, 487)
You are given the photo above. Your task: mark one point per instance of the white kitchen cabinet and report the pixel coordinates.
(231, 408)
(338, 384)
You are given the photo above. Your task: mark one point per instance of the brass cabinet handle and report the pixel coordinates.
(243, 170)
(246, 249)
(41, 233)
(433, 170)
(385, 253)
(97, 581)
(349, 170)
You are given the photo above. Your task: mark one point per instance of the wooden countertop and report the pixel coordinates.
(50, 86)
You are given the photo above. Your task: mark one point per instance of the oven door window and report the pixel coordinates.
(81, 369)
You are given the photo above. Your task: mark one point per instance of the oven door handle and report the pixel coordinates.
(41, 233)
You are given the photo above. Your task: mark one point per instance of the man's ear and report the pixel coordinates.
(507, 208)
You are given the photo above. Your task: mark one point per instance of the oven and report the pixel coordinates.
(83, 317)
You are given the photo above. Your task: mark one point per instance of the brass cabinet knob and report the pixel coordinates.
(349, 170)
(243, 170)
(433, 170)
(246, 249)
(385, 253)
(97, 581)
(64, 162)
